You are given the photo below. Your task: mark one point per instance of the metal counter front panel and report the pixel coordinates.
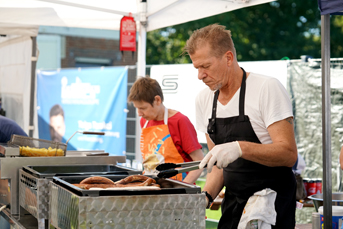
(68, 210)
(9, 169)
(34, 183)
(34, 195)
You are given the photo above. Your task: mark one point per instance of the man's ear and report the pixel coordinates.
(157, 100)
(229, 58)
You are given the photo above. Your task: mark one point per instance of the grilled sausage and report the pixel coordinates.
(97, 180)
(103, 182)
(134, 178)
(88, 186)
(148, 182)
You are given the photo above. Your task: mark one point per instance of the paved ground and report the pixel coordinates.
(303, 226)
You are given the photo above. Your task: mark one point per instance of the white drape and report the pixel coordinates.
(15, 78)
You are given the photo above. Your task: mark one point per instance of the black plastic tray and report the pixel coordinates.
(168, 186)
(49, 171)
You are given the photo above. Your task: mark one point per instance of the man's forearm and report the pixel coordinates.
(275, 154)
(214, 182)
(192, 176)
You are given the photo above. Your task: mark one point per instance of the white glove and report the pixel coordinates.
(223, 154)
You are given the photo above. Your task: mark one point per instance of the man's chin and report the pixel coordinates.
(216, 87)
(213, 87)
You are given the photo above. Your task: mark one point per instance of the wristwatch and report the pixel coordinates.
(210, 199)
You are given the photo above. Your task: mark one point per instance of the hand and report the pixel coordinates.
(223, 154)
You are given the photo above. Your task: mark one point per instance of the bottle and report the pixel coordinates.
(253, 224)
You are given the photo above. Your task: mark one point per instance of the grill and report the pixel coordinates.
(175, 205)
(34, 183)
(168, 186)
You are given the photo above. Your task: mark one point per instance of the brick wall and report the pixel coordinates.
(95, 48)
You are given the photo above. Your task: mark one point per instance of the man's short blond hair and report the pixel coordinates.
(216, 36)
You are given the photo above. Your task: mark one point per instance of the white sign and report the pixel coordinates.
(180, 84)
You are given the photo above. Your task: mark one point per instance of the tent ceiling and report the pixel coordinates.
(175, 12)
(330, 6)
(106, 14)
(31, 12)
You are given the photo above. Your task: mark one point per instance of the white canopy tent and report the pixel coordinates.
(17, 16)
(23, 17)
(106, 14)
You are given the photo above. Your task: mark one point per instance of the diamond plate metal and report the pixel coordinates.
(34, 195)
(68, 210)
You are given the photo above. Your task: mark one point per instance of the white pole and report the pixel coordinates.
(141, 65)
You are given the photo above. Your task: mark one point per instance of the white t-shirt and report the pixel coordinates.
(266, 102)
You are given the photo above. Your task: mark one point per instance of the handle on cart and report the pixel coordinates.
(85, 132)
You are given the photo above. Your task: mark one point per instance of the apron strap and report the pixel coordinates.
(165, 118)
(211, 127)
(166, 115)
(212, 121)
(242, 97)
(241, 100)
(145, 124)
(214, 107)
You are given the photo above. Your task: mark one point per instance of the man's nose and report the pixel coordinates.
(201, 74)
(140, 113)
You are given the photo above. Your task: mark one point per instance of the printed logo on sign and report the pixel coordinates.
(79, 92)
(170, 84)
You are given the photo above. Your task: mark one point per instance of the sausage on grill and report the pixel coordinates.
(134, 178)
(103, 182)
(97, 180)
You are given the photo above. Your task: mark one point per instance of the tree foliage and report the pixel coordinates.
(270, 31)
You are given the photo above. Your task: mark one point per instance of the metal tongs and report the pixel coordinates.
(168, 170)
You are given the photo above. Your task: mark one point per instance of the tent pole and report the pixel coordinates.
(141, 63)
(326, 120)
(33, 85)
(141, 69)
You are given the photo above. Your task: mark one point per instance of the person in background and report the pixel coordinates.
(167, 135)
(341, 158)
(248, 122)
(57, 125)
(299, 165)
(9, 127)
(2, 111)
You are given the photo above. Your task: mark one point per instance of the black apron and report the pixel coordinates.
(243, 178)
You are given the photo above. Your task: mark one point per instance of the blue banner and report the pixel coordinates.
(87, 99)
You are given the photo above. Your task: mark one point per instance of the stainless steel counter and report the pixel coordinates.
(9, 172)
